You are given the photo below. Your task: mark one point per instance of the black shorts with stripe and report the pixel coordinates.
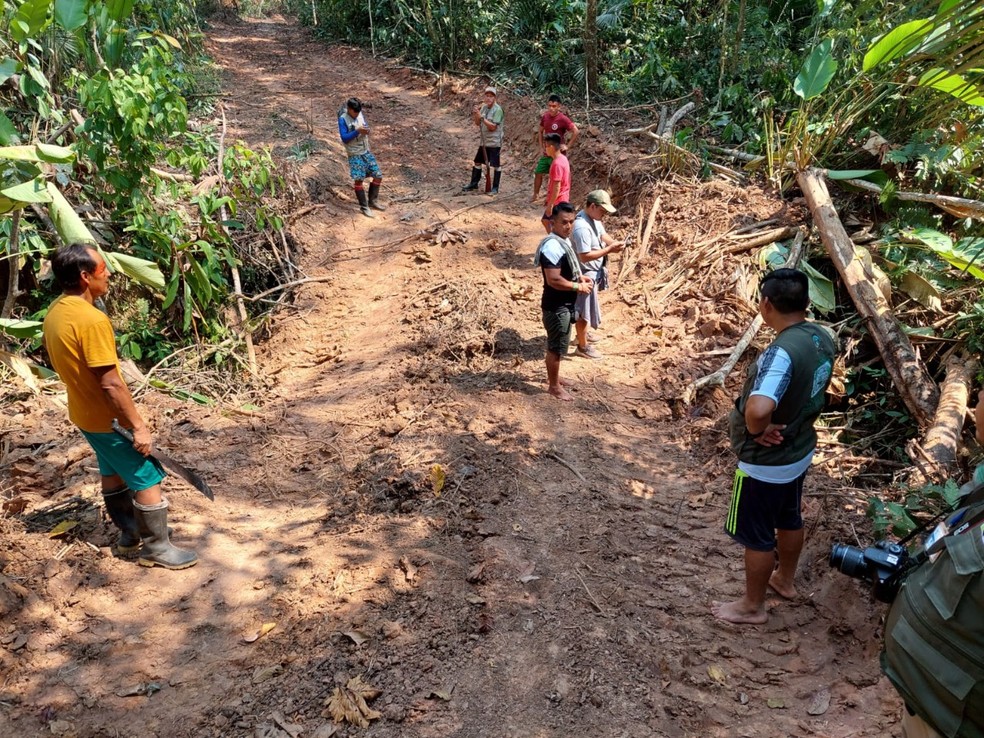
(759, 508)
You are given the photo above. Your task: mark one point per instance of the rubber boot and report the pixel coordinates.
(364, 203)
(157, 549)
(374, 197)
(495, 182)
(119, 506)
(476, 178)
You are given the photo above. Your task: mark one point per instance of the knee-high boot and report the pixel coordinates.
(157, 549)
(119, 506)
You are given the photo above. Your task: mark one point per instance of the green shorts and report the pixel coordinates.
(543, 166)
(117, 456)
(558, 323)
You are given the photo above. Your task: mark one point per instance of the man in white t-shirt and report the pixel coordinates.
(593, 245)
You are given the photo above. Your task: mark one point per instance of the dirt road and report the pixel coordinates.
(410, 506)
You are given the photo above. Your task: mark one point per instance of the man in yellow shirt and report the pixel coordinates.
(82, 348)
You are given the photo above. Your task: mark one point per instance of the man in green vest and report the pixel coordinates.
(771, 429)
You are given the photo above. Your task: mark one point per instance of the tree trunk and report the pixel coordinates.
(13, 267)
(914, 384)
(939, 446)
(591, 46)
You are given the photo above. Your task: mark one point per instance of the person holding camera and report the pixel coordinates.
(771, 431)
(354, 132)
(934, 633)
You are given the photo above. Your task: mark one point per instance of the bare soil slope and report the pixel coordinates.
(555, 583)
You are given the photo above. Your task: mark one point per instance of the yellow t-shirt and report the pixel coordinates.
(79, 336)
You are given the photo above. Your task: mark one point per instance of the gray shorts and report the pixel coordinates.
(558, 323)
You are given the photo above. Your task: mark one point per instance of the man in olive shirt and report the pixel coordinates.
(82, 348)
(771, 431)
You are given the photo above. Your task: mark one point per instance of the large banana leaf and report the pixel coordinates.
(817, 71)
(954, 84)
(139, 270)
(897, 42)
(20, 328)
(822, 295)
(39, 152)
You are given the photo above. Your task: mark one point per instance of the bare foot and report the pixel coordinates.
(739, 613)
(783, 588)
(535, 198)
(560, 393)
(567, 382)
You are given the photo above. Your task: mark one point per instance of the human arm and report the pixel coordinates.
(558, 282)
(775, 371)
(553, 190)
(344, 132)
(609, 246)
(575, 132)
(121, 400)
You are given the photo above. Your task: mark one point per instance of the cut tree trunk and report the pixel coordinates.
(914, 384)
(939, 447)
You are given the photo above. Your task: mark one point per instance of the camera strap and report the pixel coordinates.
(960, 522)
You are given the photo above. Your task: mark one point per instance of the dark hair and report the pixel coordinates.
(554, 98)
(562, 207)
(787, 289)
(68, 263)
(552, 138)
(354, 103)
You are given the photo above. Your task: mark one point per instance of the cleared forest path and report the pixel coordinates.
(409, 505)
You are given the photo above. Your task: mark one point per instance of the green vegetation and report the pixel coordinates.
(96, 146)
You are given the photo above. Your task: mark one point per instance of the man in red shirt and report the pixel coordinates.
(559, 189)
(552, 121)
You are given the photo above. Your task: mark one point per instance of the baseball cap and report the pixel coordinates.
(491, 89)
(601, 197)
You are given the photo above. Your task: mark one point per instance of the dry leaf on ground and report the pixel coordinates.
(437, 476)
(349, 703)
(257, 634)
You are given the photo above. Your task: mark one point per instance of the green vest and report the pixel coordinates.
(934, 642)
(812, 350)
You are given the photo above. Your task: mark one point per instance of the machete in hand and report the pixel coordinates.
(178, 470)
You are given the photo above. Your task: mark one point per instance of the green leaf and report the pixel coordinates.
(21, 328)
(67, 222)
(821, 289)
(817, 71)
(8, 68)
(70, 14)
(953, 84)
(139, 270)
(119, 10)
(201, 284)
(172, 287)
(8, 131)
(824, 7)
(897, 42)
(55, 154)
(932, 238)
(870, 175)
(31, 17)
(32, 191)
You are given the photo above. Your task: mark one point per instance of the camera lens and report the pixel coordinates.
(849, 560)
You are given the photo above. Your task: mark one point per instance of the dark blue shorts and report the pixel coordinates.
(759, 508)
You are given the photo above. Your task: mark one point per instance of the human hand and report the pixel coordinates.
(142, 440)
(616, 247)
(563, 148)
(585, 279)
(771, 436)
(364, 131)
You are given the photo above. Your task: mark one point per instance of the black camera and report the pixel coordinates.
(883, 565)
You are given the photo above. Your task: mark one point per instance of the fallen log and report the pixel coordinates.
(760, 239)
(960, 207)
(916, 388)
(716, 379)
(939, 446)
